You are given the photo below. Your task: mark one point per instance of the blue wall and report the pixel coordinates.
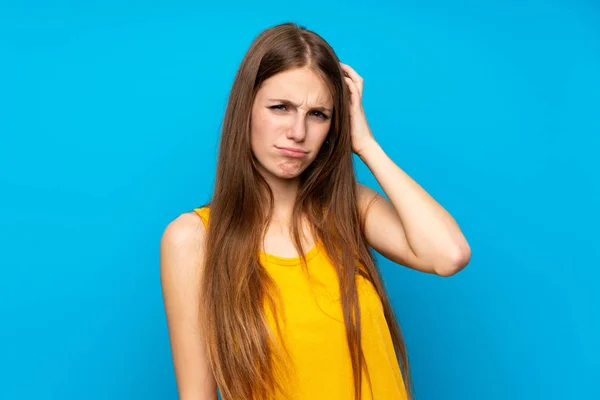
(109, 121)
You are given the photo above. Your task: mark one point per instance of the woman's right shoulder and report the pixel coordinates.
(185, 227)
(183, 240)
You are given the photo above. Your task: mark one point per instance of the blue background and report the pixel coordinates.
(109, 123)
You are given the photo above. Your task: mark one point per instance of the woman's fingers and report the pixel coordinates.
(356, 78)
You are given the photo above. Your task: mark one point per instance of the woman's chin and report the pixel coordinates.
(284, 170)
(288, 170)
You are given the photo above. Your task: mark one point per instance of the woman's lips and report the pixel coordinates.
(291, 152)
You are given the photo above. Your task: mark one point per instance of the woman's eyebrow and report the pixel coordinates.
(288, 102)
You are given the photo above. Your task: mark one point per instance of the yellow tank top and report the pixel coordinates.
(313, 331)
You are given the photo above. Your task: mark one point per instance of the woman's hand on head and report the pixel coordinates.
(361, 134)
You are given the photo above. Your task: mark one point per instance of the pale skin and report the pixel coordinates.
(293, 110)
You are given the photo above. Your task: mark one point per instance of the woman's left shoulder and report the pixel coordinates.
(365, 197)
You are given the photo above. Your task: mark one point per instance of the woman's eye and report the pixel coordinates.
(319, 114)
(283, 107)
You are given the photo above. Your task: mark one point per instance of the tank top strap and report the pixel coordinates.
(204, 213)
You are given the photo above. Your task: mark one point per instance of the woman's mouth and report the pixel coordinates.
(291, 152)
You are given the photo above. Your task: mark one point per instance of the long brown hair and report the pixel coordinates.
(235, 286)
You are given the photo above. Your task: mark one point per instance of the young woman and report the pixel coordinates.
(271, 291)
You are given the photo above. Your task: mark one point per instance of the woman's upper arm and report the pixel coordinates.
(181, 263)
(385, 232)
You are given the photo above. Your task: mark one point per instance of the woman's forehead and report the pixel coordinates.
(300, 86)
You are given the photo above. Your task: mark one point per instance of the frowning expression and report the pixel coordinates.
(291, 116)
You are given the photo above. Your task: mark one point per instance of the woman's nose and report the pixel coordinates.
(297, 131)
